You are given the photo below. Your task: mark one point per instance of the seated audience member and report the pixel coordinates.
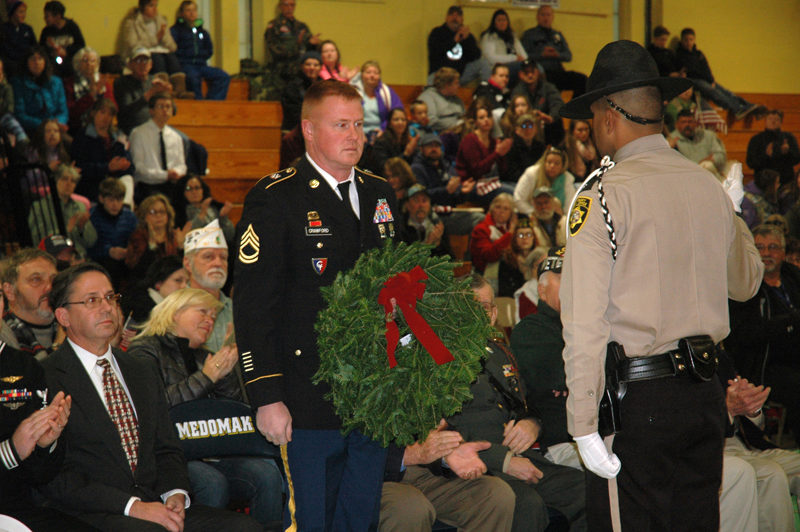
(48, 147)
(155, 236)
(418, 121)
(495, 90)
(61, 37)
(133, 91)
(194, 205)
(550, 49)
(145, 28)
(26, 282)
(492, 237)
(526, 298)
(157, 150)
(482, 157)
(174, 339)
(789, 205)
(777, 470)
(9, 125)
(74, 213)
(194, 50)
(63, 249)
(293, 146)
(549, 171)
(164, 276)
(525, 149)
(421, 224)
(580, 148)
(518, 106)
(548, 223)
(760, 198)
(452, 45)
(699, 145)
(29, 438)
(399, 175)
(499, 44)
(117, 472)
(394, 142)
(417, 490)
(445, 108)
(538, 484)
(294, 92)
(85, 88)
(694, 63)
(206, 259)
(38, 94)
(544, 98)
(514, 266)
(16, 38)
(765, 330)
(663, 56)
(378, 98)
(114, 224)
(332, 68)
(99, 151)
(287, 39)
(773, 148)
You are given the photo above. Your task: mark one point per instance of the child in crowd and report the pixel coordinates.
(8, 124)
(114, 225)
(418, 119)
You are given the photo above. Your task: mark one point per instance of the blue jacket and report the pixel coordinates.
(112, 231)
(34, 103)
(194, 44)
(92, 156)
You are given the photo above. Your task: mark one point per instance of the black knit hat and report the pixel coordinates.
(619, 66)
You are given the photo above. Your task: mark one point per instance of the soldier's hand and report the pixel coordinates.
(523, 469)
(275, 422)
(464, 460)
(35, 426)
(521, 435)
(596, 457)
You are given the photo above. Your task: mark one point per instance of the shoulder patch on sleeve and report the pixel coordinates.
(368, 173)
(578, 214)
(269, 180)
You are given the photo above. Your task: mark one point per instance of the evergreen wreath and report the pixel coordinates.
(398, 404)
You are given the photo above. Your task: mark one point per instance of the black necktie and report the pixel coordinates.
(344, 190)
(163, 150)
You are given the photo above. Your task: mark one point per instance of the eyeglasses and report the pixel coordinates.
(770, 247)
(93, 302)
(524, 235)
(195, 187)
(527, 125)
(157, 212)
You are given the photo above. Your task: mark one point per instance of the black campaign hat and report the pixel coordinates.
(619, 66)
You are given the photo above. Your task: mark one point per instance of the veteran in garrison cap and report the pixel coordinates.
(300, 227)
(654, 251)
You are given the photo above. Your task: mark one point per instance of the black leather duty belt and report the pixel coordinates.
(652, 367)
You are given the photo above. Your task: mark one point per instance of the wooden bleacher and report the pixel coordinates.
(243, 137)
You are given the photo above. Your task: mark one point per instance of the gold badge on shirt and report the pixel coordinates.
(578, 215)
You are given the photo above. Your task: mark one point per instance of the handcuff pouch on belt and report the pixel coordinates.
(695, 356)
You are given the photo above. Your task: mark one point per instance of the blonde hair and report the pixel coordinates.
(541, 179)
(147, 204)
(162, 317)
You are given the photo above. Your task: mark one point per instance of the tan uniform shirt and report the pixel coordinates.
(681, 253)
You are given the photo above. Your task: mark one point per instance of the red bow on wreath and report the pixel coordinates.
(406, 288)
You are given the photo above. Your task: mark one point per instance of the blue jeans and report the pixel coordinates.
(253, 479)
(218, 81)
(721, 96)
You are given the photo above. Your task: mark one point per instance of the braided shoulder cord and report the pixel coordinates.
(605, 165)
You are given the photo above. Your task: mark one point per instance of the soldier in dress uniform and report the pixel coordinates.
(300, 227)
(654, 251)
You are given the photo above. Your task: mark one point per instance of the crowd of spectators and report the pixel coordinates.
(501, 172)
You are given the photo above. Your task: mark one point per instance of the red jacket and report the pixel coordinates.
(475, 160)
(481, 247)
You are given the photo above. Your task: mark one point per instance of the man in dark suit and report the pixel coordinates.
(123, 469)
(310, 222)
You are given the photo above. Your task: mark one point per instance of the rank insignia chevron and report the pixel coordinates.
(249, 246)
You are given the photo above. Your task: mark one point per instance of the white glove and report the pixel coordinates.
(733, 186)
(596, 457)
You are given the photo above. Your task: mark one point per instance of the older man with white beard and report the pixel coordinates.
(206, 259)
(26, 282)
(548, 225)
